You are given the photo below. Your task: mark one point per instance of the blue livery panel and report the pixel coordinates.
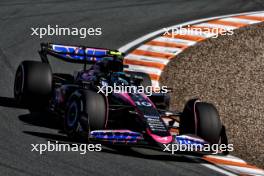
(79, 53)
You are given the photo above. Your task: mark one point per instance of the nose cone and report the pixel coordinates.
(160, 139)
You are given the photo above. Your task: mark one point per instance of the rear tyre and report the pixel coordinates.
(86, 111)
(33, 84)
(201, 119)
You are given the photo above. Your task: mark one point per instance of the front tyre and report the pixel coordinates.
(86, 110)
(201, 119)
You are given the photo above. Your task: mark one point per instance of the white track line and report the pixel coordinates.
(147, 58)
(140, 40)
(174, 40)
(259, 14)
(240, 20)
(244, 170)
(193, 32)
(228, 157)
(149, 70)
(211, 166)
(210, 25)
(160, 49)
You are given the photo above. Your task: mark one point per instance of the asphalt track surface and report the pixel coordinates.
(121, 21)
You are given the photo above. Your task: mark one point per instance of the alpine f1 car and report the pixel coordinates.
(119, 118)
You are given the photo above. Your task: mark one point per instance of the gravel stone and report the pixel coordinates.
(229, 72)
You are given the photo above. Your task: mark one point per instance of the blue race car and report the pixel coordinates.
(119, 117)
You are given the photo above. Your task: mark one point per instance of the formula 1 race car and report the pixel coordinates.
(119, 118)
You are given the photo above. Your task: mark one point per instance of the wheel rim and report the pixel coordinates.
(72, 114)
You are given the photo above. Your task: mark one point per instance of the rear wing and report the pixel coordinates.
(76, 54)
